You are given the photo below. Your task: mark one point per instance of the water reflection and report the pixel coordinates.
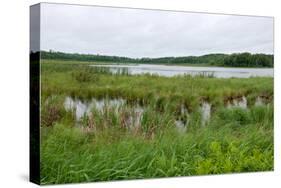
(84, 107)
(205, 112)
(132, 115)
(180, 126)
(238, 102)
(169, 71)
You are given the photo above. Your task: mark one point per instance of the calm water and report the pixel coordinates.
(84, 107)
(166, 70)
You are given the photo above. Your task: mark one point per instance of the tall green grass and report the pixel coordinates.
(104, 148)
(228, 144)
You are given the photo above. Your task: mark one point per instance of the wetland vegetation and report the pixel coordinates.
(225, 60)
(97, 125)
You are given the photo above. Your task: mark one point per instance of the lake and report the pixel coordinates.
(171, 70)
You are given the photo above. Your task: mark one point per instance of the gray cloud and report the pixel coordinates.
(150, 33)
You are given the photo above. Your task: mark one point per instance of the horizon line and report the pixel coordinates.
(97, 54)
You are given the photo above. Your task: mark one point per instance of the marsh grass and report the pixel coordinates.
(74, 79)
(70, 155)
(233, 140)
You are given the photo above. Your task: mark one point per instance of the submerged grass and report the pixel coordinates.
(233, 140)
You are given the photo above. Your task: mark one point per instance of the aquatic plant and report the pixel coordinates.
(140, 139)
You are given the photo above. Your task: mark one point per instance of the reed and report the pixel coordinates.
(116, 142)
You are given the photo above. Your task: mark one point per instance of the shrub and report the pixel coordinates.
(85, 75)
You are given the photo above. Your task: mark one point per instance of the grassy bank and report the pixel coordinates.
(104, 147)
(82, 81)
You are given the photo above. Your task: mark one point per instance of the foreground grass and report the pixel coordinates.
(234, 139)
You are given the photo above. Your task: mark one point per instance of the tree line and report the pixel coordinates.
(228, 60)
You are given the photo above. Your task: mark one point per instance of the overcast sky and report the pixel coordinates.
(150, 33)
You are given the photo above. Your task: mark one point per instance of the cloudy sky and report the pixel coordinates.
(150, 33)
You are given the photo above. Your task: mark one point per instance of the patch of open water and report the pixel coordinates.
(171, 70)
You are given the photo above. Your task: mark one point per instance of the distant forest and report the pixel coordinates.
(227, 60)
